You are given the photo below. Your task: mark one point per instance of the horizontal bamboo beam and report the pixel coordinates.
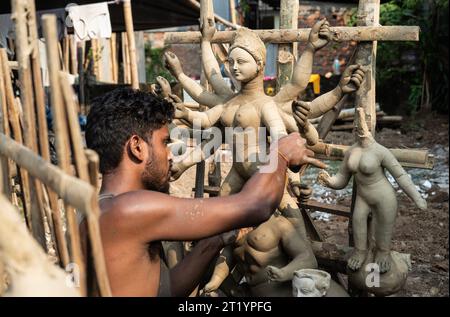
(406, 157)
(339, 34)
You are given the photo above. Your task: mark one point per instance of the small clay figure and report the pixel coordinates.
(367, 160)
(315, 283)
(268, 256)
(310, 283)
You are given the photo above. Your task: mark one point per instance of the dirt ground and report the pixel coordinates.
(424, 235)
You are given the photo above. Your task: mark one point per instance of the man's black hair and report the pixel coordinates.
(117, 115)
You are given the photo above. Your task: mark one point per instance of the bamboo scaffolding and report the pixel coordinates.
(339, 34)
(20, 10)
(131, 43)
(73, 191)
(59, 118)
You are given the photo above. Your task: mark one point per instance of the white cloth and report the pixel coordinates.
(90, 21)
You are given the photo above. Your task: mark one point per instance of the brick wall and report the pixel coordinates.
(337, 14)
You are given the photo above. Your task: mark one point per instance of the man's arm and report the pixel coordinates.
(152, 216)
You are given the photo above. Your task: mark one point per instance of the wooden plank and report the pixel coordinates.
(334, 209)
(339, 34)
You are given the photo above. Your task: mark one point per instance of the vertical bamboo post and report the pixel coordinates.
(232, 11)
(66, 52)
(131, 43)
(113, 55)
(287, 53)
(40, 108)
(95, 63)
(13, 117)
(126, 60)
(73, 54)
(74, 127)
(93, 166)
(5, 174)
(20, 9)
(368, 14)
(81, 83)
(59, 119)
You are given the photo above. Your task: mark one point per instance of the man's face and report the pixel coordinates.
(156, 173)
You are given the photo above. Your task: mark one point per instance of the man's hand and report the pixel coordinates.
(320, 35)
(208, 28)
(351, 79)
(172, 63)
(294, 149)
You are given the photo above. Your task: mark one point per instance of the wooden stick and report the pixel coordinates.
(80, 59)
(232, 11)
(95, 59)
(368, 14)
(126, 60)
(93, 165)
(13, 116)
(339, 34)
(42, 120)
(66, 52)
(59, 119)
(74, 127)
(406, 157)
(113, 57)
(218, 18)
(72, 190)
(20, 9)
(73, 55)
(287, 52)
(131, 43)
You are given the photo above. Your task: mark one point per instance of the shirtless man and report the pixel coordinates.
(129, 131)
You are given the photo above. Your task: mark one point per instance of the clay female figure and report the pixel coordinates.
(366, 160)
(267, 256)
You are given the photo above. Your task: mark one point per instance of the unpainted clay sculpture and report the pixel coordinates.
(367, 160)
(368, 279)
(268, 255)
(251, 107)
(315, 283)
(310, 283)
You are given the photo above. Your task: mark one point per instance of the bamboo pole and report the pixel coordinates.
(368, 14)
(406, 157)
(287, 52)
(73, 55)
(126, 60)
(95, 59)
(66, 52)
(131, 43)
(80, 60)
(72, 190)
(42, 120)
(339, 34)
(74, 127)
(232, 11)
(218, 18)
(13, 117)
(93, 166)
(113, 56)
(59, 118)
(20, 10)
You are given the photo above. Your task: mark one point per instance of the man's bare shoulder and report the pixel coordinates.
(132, 203)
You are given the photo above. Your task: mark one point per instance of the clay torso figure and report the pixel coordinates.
(270, 254)
(366, 161)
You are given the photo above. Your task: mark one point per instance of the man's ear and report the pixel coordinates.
(137, 149)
